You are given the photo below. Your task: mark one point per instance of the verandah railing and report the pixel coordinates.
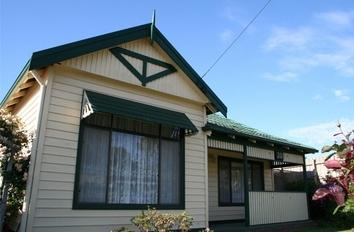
(277, 207)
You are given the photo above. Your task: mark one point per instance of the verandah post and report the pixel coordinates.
(245, 182)
(304, 172)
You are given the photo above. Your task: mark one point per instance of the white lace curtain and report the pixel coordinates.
(93, 168)
(133, 169)
(133, 163)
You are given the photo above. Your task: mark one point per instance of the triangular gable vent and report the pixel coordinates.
(148, 69)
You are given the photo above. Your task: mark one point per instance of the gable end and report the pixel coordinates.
(54, 55)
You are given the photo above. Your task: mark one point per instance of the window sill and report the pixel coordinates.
(125, 206)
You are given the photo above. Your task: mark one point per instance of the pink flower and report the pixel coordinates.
(332, 190)
(351, 175)
(320, 193)
(339, 198)
(333, 164)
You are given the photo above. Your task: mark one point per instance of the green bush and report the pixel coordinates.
(152, 220)
(322, 211)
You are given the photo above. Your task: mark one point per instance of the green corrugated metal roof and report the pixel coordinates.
(124, 108)
(225, 125)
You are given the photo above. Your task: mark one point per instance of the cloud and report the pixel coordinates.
(281, 77)
(312, 46)
(317, 97)
(233, 14)
(340, 60)
(229, 13)
(345, 43)
(341, 94)
(337, 18)
(227, 35)
(289, 39)
(321, 134)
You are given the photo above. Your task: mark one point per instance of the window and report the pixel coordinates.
(126, 163)
(231, 180)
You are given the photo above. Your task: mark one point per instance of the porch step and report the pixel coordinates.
(279, 227)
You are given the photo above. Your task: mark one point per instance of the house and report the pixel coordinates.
(315, 168)
(122, 122)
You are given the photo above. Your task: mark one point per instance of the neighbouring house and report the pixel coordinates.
(315, 168)
(122, 122)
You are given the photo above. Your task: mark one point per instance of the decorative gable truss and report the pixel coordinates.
(149, 69)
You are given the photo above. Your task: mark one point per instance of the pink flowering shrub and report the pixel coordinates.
(339, 187)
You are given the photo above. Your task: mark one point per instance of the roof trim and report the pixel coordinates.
(186, 68)
(57, 54)
(43, 58)
(16, 83)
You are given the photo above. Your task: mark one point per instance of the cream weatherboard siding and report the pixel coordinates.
(218, 144)
(268, 177)
(28, 109)
(260, 153)
(293, 158)
(216, 212)
(54, 193)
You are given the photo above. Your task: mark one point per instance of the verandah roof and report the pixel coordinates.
(224, 125)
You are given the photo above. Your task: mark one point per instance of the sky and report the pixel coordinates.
(291, 74)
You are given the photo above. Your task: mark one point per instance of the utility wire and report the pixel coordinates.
(237, 37)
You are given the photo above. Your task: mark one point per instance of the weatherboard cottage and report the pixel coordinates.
(121, 122)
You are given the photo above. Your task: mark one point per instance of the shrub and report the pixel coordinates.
(322, 211)
(152, 220)
(337, 195)
(14, 163)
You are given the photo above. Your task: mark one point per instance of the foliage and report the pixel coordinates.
(122, 229)
(14, 160)
(339, 187)
(322, 211)
(184, 221)
(152, 220)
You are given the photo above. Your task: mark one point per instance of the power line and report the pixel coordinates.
(237, 37)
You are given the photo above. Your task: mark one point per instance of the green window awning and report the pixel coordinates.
(100, 103)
